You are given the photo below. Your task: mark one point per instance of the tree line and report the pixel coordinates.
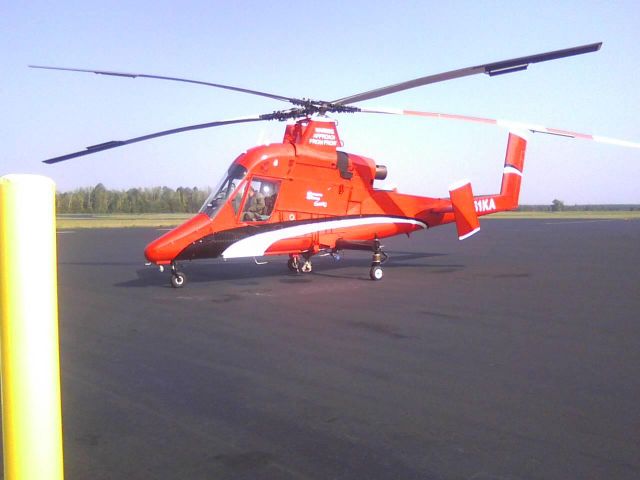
(560, 206)
(101, 200)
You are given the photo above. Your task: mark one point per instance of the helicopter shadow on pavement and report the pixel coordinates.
(246, 273)
(397, 260)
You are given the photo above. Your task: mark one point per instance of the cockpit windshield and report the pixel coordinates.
(223, 191)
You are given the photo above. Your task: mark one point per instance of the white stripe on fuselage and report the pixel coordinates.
(256, 245)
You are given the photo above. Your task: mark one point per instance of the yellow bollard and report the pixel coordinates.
(31, 407)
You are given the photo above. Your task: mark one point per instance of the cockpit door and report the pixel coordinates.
(259, 199)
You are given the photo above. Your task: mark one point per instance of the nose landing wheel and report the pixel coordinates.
(178, 279)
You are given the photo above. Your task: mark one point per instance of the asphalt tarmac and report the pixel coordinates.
(514, 354)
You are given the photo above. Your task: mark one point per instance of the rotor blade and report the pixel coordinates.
(507, 124)
(159, 77)
(491, 69)
(120, 143)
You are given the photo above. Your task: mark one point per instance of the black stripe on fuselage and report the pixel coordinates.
(212, 246)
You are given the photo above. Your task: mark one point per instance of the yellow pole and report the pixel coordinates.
(31, 408)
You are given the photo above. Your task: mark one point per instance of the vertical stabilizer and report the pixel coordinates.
(512, 172)
(509, 194)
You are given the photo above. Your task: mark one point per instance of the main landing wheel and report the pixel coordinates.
(376, 273)
(293, 264)
(376, 259)
(178, 279)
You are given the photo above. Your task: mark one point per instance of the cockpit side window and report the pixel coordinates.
(225, 189)
(260, 200)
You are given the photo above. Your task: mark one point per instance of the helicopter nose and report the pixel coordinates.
(163, 250)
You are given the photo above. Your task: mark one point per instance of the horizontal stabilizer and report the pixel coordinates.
(464, 209)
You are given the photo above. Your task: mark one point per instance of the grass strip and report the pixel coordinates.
(150, 220)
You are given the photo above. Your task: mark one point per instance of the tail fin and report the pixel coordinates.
(512, 172)
(466, 207)
(509, 194)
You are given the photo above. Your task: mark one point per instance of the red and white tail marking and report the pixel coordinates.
(512, 172)
(509, 195)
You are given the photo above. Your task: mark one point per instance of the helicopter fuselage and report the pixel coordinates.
(310, 198)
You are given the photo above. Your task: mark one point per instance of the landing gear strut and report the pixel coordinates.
(178, 279)
(296, 265)
(378, 258)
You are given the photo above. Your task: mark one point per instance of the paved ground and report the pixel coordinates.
(513, 355)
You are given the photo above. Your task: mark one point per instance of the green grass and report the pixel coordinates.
(122, 220)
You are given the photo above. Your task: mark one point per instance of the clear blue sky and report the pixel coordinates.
(324, 50)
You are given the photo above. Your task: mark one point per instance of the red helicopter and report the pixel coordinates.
(303, 197)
